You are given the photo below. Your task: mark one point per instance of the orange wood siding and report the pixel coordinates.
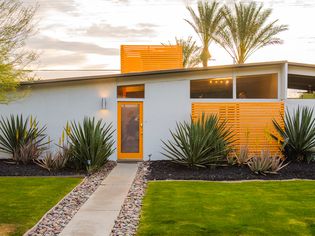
(137, 58)
(250, 121)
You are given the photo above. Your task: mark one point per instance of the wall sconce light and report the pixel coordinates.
(104, 104)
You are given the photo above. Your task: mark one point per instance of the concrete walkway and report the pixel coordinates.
(98, 214)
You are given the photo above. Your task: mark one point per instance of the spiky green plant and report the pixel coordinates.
(17, 132)
(245, 29)
(91, 143)
(201, 143)
(298, 134)
(205, 22)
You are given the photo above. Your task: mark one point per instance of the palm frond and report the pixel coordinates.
(245, 29)
(205, 22)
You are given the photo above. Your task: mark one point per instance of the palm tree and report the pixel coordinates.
(191, 51)
(206, 23)
(245, 29)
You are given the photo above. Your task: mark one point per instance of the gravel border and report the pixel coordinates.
(167, 170)
(129, 216)
(53, 222)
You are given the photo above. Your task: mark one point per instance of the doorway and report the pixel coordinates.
(130, 130)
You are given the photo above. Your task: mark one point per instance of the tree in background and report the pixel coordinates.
(191, 51)
(245, 29)
(206, 22)
(15, 27)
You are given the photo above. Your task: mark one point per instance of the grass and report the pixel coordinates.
(23, 201)
(213, 208)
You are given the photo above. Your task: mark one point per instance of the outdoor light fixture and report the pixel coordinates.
(104, 104)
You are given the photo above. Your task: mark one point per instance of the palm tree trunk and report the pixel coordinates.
(205, 56)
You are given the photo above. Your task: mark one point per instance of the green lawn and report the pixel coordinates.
(24, 200)
(213, 208)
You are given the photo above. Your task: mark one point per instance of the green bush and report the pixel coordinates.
(91, 143)
(298, 135)
(202, 143)
(22, 138)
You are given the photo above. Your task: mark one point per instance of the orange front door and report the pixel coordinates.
(130, 142)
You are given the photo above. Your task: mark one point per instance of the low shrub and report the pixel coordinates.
(242, 157)
(201, 143)
(47, 162)
(21, 137)
(91, 143)
(55, 162)
(266, 164)
(27, 153)
(298, 134)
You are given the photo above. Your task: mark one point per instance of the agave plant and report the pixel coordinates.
(243, 157)
(266, 164)
(55, 161)
(201, 143)
(298, 134)
(91, 143)
(17, 133)
(47, 162)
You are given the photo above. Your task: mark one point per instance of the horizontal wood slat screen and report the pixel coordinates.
(137, 58)
(251, 122)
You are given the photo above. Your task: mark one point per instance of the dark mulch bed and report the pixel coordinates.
(10, 169)
(166, 170)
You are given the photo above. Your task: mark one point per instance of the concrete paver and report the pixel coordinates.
(98, 214)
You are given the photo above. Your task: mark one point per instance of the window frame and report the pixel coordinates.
(130, 85)
(234, 76)
(214, 99)
(287, 88)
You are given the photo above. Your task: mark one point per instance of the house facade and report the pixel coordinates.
(144, 106)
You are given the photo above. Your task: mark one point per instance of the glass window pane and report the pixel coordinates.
(257, 86)
(130, 128)
(212, 88)
(301, 87)
(130, 91)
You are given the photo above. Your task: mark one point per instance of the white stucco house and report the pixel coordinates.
(144, 106)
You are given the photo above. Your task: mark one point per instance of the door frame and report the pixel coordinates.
(129, 156)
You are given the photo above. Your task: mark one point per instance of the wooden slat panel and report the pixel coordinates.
(137, 58)
(251, 122)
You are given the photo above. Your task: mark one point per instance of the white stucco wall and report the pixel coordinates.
(54, 105)
(293, 104)
(167, 101)
(165, 104)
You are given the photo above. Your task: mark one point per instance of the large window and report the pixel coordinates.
(130, 91)
(212, 88)
(257, 86)
(301, 86)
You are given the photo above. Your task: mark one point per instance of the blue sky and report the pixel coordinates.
(81, 34)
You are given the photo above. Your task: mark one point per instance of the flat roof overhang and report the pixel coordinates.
(161, 72)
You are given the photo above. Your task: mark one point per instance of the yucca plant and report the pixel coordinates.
(17, 132)
(298, 134)
(91, 143)
(201, 143)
